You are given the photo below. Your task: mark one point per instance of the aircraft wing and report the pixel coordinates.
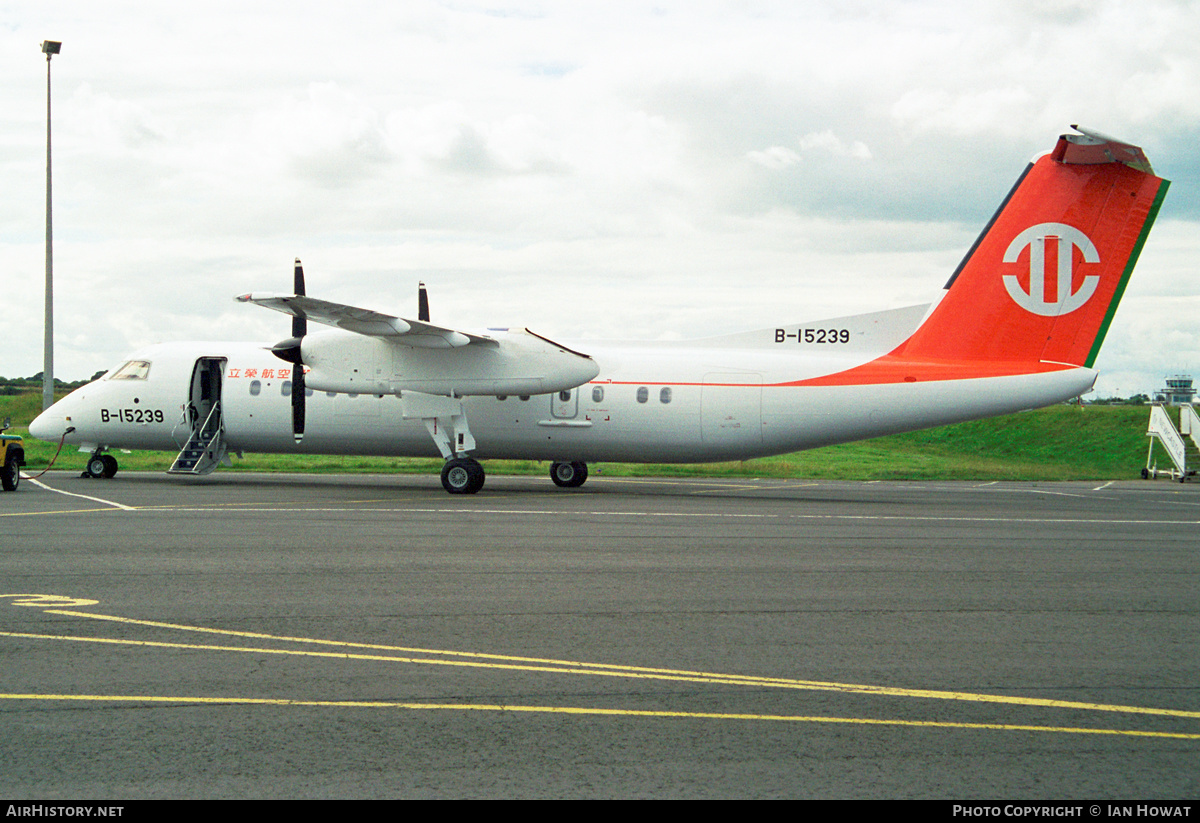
(414, 333)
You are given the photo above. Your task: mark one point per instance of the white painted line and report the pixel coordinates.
(1105, 486)
(112, 503)
(556, 513)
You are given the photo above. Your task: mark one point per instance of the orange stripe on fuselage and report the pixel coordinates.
(891, 369)
(885, 370)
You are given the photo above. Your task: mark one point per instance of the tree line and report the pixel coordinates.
(20, 385)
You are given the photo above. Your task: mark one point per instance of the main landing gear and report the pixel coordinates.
(568, 475)
(100, 466)
(462, 475)
(446, 421)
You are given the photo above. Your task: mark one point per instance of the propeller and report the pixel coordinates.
(289, 350)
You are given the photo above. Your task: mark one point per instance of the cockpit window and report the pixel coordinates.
(132, 370)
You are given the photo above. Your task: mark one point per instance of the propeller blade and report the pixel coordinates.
(298, 395)
(299, 324)
(290, 350)
(422, 303)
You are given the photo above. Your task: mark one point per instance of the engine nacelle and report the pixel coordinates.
(512, 362)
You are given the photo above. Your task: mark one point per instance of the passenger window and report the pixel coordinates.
(598, 394)
(664, 396)
(564, 396)
(285, 388)
(643, 394)
(255, 387)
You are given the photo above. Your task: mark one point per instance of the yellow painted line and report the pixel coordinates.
(43, 600)
(473, 664)
(574, 664)
(583, 710)
(554, 666)
(535, 664)
(105, 509)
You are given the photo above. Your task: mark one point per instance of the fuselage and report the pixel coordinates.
(1018, 326)
(729, 398)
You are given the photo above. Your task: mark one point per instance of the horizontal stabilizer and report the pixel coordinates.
(1092, 148)
(415, 333)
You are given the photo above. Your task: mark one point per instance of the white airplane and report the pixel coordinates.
(1018, 326)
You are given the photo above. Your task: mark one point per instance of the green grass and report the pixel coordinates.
(1058, 443)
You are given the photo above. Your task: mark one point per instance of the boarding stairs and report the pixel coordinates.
(205, 447)
(1182, 445)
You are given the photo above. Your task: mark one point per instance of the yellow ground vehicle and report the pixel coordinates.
(12, 457)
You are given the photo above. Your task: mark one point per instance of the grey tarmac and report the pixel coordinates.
(253, 635)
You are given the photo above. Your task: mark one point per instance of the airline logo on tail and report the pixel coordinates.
(1064, 239)
(1066, 279)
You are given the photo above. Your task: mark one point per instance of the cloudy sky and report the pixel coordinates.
(645, 170)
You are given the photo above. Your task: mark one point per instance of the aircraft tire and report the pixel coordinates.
(110, 465)
(96, 466)
(462, 475)
(569, 475)
(10, 475)
(478, 476)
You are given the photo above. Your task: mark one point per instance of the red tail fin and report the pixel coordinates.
(1041, 284)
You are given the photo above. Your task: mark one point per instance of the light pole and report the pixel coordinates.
(49, 48)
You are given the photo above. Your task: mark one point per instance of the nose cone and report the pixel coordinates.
(49, 425)
(56, 421)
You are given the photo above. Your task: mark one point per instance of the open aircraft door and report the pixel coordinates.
(205, 446)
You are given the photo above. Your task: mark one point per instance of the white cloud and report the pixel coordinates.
(584, 168)
(776, 157)
(829, 143)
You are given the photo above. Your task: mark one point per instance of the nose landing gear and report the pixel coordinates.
(100, 466)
